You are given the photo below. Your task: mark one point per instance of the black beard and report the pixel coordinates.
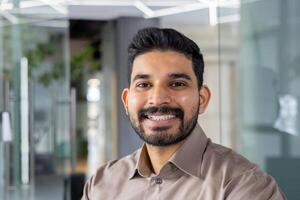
(162, 137)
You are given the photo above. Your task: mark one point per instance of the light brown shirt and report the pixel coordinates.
(200, 169)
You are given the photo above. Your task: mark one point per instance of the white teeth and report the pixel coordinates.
(161, 117)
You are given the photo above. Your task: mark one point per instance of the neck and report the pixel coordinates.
(160, 155)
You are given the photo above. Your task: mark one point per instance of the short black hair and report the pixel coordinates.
(163, 39)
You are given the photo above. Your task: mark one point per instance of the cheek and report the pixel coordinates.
(189, 103)
(135, 101)
(184, 99)
(187, 100)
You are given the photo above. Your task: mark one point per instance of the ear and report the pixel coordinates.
(205, 95)
(124, 98)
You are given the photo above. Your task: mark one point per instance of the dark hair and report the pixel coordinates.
(149, 39)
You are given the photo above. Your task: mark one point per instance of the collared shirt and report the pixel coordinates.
(198, 170)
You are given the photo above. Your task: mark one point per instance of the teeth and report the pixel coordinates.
(161, 117)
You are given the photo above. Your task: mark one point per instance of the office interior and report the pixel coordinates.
(63, 65)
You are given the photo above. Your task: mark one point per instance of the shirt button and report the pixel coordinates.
(158, 180)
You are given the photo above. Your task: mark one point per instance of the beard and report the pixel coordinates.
(160, 136)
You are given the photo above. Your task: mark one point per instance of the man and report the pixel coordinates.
(177, 161)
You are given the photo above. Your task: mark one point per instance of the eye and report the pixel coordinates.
(143, 85)
(178, 84)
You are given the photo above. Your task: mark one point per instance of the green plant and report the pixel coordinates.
(80, 63)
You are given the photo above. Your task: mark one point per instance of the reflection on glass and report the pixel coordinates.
(93, 92)
(288, 114)
(96, 125)
(269, 61)
(6, 128)
(33, 62)
(24, 122)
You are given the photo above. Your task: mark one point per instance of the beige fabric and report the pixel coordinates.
(200, 169)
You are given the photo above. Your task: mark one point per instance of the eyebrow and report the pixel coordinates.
(141, 76)
(180, 75)
(173, 76)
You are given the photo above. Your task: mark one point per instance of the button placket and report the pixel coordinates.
(158, 180)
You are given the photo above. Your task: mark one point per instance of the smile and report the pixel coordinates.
(160, 117)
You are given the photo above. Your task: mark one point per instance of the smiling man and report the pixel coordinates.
(165, 96)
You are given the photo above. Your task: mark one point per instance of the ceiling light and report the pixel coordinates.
(56, 6)
(100, 2)
(11, 18)
(213, 17)
(177, 10)
(144, 8)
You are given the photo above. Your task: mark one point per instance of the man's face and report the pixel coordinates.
(163, 100)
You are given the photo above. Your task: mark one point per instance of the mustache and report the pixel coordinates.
(143, 113)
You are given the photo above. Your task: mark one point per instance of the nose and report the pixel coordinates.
(159, 96)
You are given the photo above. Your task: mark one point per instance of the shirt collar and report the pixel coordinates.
(188, 157)
(142, 166)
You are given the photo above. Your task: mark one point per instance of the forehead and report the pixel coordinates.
(160, 63)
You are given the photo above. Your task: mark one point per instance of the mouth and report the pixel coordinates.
(160, 120)
(161, 117)
(155, 117)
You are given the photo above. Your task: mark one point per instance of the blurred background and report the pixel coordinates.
(63, 65)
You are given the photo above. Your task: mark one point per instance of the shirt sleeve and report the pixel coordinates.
(253, 185)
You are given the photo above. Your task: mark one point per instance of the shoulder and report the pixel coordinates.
(123, 166)
(226, 161)
(108, 175)
(239, 178)
(253, 184)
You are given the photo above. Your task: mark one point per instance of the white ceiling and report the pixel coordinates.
(191, 11)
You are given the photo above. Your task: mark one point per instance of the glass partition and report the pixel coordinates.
(252, 69)
(269, 89)
(34, 86)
